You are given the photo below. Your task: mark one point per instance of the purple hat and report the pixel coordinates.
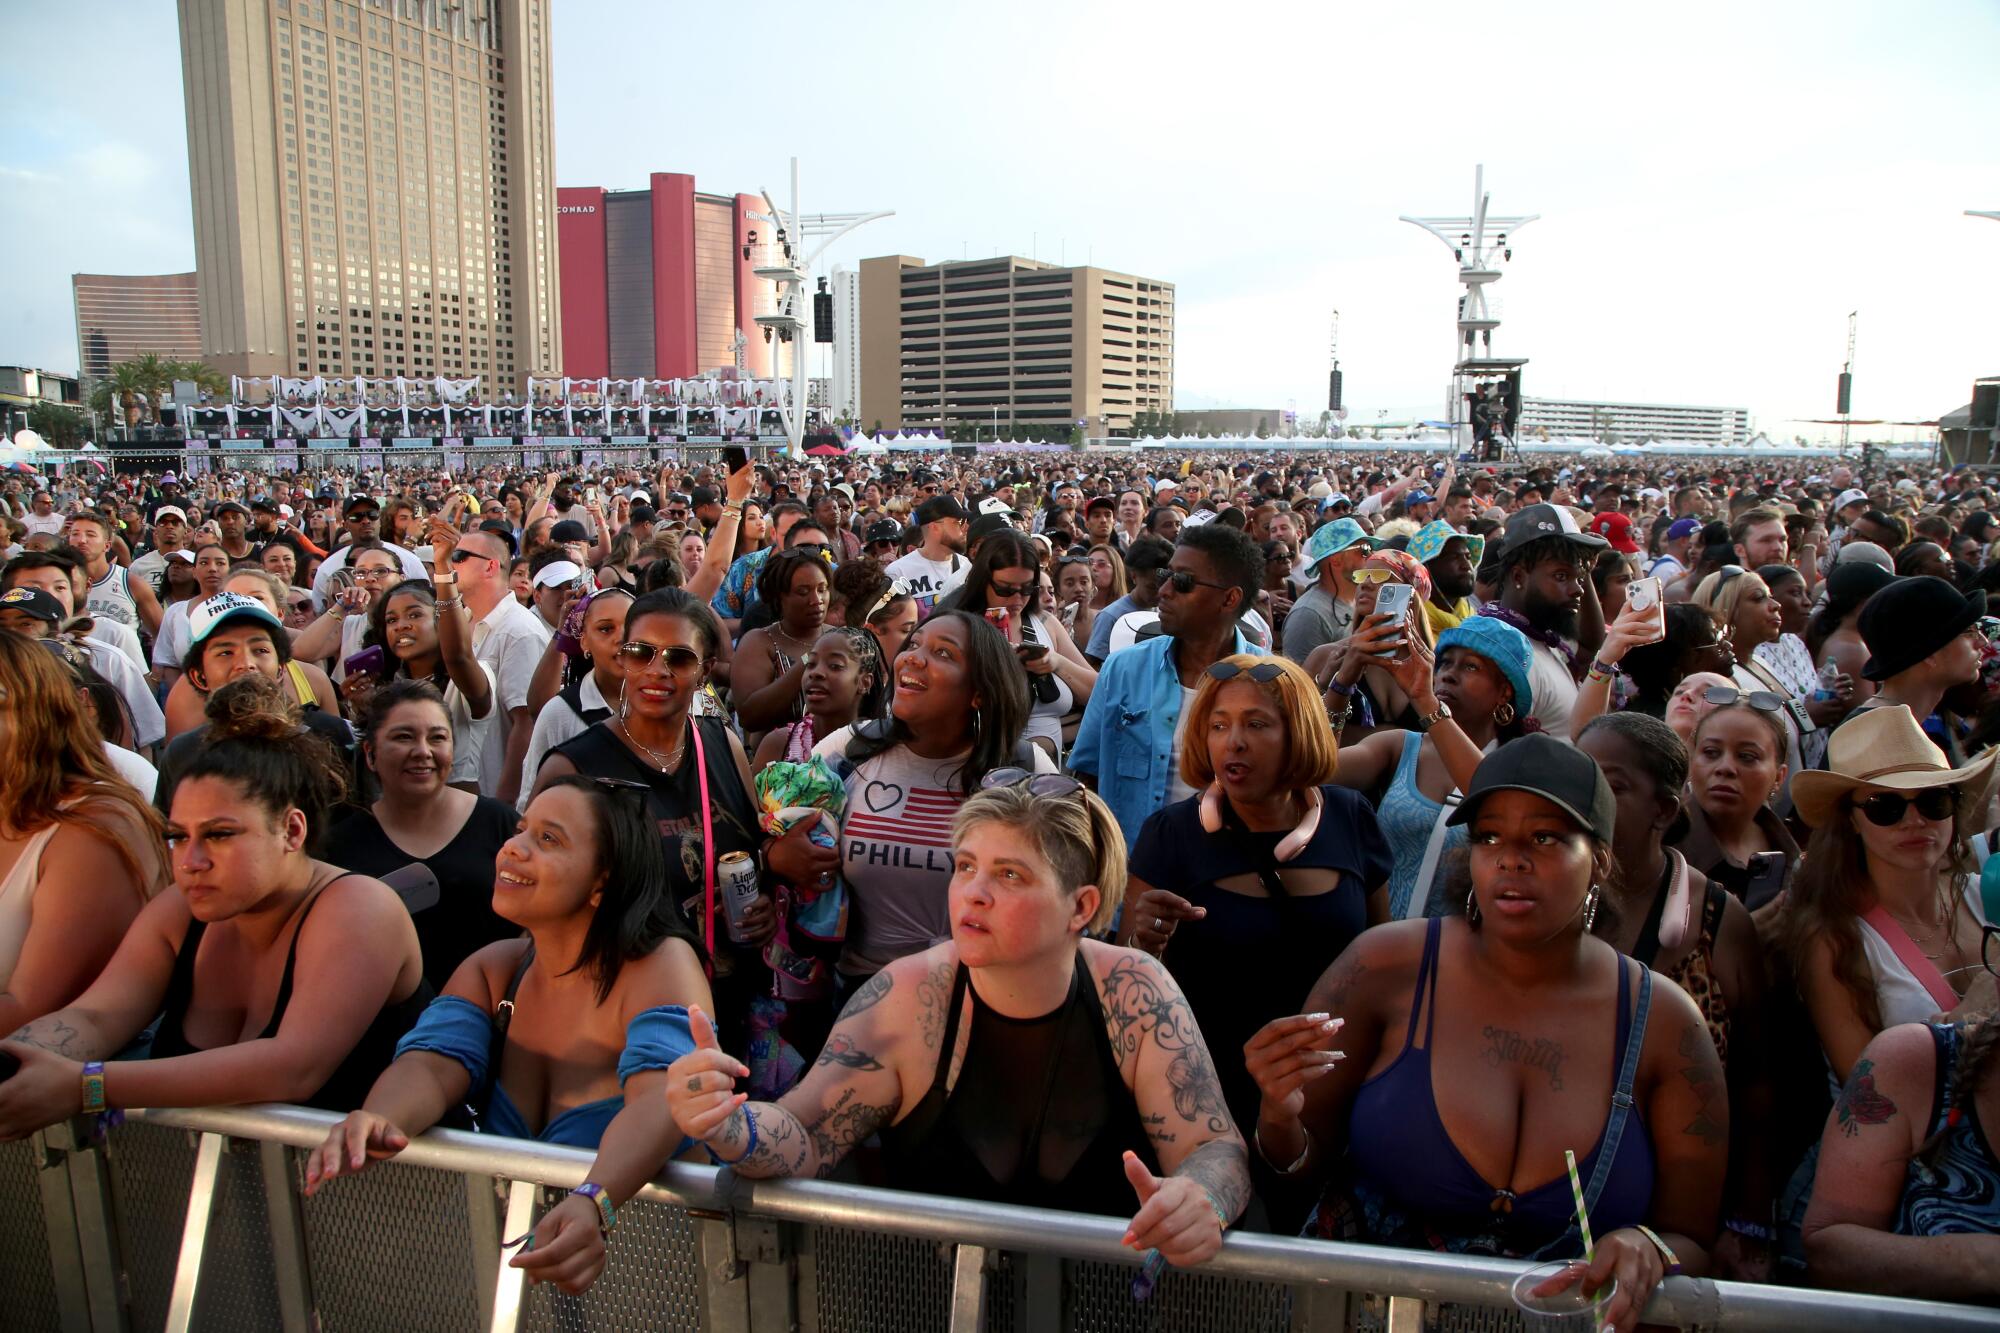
(1683, 527)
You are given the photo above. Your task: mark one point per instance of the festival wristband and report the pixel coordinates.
(1345, 691)
(93, 1087)
(1673, 1260)
(751, 1122)
(607, 1216)
(1743, 1226)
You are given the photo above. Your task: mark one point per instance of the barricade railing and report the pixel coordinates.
(195, 1219)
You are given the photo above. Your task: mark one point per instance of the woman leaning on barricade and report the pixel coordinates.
(1018, 1062)
(1518, 990)
(276, 976)
(563, 1036)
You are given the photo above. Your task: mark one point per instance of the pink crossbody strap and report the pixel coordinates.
(707, 841)
(1912, 958)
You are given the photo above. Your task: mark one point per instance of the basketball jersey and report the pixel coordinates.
(110, 598)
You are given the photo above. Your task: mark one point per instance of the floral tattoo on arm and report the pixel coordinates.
(1860, 1102)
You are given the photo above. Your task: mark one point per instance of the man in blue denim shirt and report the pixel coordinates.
(1128, 745)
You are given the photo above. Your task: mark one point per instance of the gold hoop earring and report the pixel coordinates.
(1472, 909)
(1504, 714)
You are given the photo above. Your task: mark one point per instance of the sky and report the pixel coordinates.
(1718, 185)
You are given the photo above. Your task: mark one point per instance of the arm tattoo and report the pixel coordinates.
(1222, 1167)
(1860, 1103)
(781, 1144)
(841, 1050)
(869, 995)
(1506, 1046)
(1138, 1009)
(1156, 1131)
(1704, 1077)
(52, 1034)
(933, 999)
(841, 1126)
(1346, 977)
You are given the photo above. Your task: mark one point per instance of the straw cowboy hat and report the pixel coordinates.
(1883, 749)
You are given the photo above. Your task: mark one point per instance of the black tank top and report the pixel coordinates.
(1040, 1115)
(674, 802)
(349, 1085)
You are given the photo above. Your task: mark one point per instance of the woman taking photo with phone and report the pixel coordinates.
(1004, 585)
(1360, 682)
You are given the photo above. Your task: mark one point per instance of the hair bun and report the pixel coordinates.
(253, 708)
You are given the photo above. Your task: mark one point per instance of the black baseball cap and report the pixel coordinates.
(355, 502)
(1546, 520)
(986, 525)
(1558, 773)
(883, 530)
(1097, 502)
(569, 530)
(264, 504)
(33, 602)
(227, 507)
(938, 508)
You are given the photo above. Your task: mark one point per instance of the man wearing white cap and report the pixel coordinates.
(169, 533)
(1848, 506)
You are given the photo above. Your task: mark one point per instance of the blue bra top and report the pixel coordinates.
(1401, 1150)
(460, 1030)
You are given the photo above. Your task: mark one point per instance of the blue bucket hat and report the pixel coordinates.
(1502, 645)
(1332, 538)
(1429, 542)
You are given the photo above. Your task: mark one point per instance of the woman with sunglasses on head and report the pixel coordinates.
(1004, 585)
(1356, 670)
(1270, 861)
(959, 705)
(1750, 618)
(1574, 1046)
(1474, 697)
(1016, 1062)
(698, 791)
(1663, 913)
(865, 597)
(1736, 769)
(769, 672)
(563, 1036)
(430, 841)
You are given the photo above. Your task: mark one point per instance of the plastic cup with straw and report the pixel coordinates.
(1568, 1310)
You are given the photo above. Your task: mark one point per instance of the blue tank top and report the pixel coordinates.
(1407, 817)
(1425, 1194)
(1957, 1191)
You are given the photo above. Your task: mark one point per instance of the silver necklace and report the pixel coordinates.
(667, 762)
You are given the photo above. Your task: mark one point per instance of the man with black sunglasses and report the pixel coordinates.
(507, 638)
(363, 516)
(1128, 746)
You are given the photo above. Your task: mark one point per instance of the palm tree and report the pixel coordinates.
(138, 385)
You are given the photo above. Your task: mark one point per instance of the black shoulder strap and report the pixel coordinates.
(481, 1097)
(869, 737)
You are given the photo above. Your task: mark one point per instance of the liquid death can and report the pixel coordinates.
(736, 881)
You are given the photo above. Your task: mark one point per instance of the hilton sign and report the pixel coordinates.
(576, 208)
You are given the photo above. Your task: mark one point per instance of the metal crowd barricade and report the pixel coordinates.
(195, 1220)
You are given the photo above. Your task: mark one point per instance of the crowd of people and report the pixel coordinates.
(1313, 843)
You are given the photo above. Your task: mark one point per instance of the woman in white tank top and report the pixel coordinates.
(80, 850)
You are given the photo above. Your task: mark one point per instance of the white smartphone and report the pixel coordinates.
(1644, 595)
(1393, 600)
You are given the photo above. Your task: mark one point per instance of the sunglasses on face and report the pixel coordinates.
(1184, 583)
(1885, 809)
(1374, 575)
(999, 589)
(638, 656)
(1762, 700)
(460, 555)
(1263, 672)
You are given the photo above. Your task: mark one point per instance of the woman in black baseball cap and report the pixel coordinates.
(1519, 988)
